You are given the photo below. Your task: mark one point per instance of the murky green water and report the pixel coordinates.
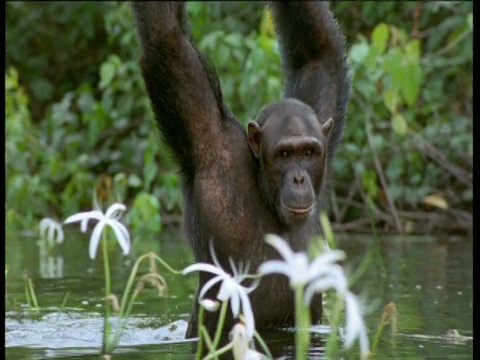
(428, 280)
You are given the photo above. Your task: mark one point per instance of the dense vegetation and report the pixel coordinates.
(78, 123)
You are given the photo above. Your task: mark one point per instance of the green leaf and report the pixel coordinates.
(412, 50)
(369, 183)
(391, 98)
(380, 36)
(42, 89)
(393, 62)
(399, 124)
(266, 25)
(359, 52)
(134, 180)
(410, 84)
(107, 71)
(146, 213)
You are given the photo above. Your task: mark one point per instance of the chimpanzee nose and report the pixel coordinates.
(298, 179)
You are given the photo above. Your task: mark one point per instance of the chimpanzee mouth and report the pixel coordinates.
(299, 211)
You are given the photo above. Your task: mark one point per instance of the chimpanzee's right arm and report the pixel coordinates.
(183, 89)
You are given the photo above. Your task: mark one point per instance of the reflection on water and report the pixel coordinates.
(428, 280)
(51, 266)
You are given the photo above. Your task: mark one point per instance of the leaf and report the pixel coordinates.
(393, 64)
(390, 99)
(359, 52)
(369, 183)
(146, 213)
(42, 88)
(436, 200)
(412, 50)
(380, 36)
(266, 24)
(107, 71)
(410, 84)
(399, 124)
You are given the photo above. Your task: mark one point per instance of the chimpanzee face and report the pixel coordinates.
(291, 144)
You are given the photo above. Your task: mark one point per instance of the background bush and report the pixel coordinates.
(78, 122)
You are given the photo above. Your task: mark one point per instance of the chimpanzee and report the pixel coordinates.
(241, 185)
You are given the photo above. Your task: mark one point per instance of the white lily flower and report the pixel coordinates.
(50, 227)
(110, 217)
(296, 265)
(322, 274)
(230, 288)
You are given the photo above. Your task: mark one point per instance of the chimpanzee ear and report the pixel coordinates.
(254, 137)
(327, 127)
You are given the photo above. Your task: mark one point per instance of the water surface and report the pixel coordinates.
(429, 280)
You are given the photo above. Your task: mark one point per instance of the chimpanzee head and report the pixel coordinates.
(290, 144)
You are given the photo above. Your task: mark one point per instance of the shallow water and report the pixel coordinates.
(429, 281)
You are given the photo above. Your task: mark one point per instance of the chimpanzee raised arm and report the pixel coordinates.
(314, 61)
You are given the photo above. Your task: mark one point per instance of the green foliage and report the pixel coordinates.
(77, 112)
(244, 55)
(145, 214)
(402, 89)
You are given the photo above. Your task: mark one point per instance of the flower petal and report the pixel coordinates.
(275, 267)
(214, 256)
(203, 267)
(52, 230)
(94, 214)
(60, 235)
(95, 239)
(208, 285)
(323, 262)
(229, 290)
(280, 245)
(122, 235)
(318, 286)
(247, 314)
(115, 211)
(44, 225)
(354, 325)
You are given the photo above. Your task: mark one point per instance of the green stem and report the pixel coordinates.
(126, 304)
(201, 312)
(220, 351)
(302, 323)
(122, 321)
(221, 320)
(206, 338)
(106, 324)
(131, 279)
(263, 345)
(169, 268)
(332, 343)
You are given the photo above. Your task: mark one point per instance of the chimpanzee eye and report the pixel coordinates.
(284, 154)
(308, 152)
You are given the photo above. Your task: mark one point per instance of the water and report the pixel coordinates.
(429, 281)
